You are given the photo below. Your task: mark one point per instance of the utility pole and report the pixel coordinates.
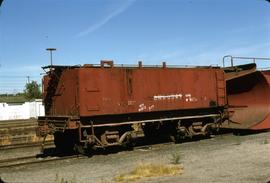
(51, 50)
(28, 79)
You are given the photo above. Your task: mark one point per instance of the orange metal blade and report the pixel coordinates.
(249, 101)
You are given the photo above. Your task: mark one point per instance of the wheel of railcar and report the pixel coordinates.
(64, 142)
(58, 140)
(208, 131)
(171, 132)
(129, 144)
(177, 137)
(173, 138)
(81, 149)
(151, 133)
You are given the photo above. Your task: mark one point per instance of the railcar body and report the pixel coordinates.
(108, 105)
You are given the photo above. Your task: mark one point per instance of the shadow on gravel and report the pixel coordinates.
(52, 152)
(248, 132)
(1, 181)
(140, 144)
(240, 132)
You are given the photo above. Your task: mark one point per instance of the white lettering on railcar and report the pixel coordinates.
(168, 97)
(131, 102)
(142, 107)
(186, 97)
(150, 108)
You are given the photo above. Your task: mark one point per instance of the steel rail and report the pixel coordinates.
(28, 160)
(25, 145)
(17, 125)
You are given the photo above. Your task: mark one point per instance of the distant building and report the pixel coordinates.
(11, 111)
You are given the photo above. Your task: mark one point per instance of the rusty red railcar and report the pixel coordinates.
(108, 105)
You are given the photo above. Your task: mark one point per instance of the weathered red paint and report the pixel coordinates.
(265, 124)
(90, 91)
(249, 101)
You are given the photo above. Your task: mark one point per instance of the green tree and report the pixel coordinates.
(32, 91)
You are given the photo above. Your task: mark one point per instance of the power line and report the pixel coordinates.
(12, 84)
(19, 76)
(28, 79)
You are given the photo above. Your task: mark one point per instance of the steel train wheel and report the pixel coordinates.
(65, 141)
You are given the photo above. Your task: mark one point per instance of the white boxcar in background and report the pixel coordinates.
(21, 111)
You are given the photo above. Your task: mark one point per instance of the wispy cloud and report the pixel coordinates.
(207, 55)
(105, 20)
(174, 56)
(214, 56)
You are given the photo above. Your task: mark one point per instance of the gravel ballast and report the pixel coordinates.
(225, 158)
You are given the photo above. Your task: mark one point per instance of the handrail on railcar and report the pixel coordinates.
(242, 58)
(140, 65)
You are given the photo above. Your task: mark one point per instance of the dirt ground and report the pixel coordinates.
(222, 159)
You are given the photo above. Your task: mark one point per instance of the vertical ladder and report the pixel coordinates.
(221, 88)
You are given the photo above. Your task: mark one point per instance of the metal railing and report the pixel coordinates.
(110, 64)
(242, 58)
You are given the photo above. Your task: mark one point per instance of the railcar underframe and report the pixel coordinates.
(76, 133)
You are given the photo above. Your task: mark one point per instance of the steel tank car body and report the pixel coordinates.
(106, 105)
(91, 91)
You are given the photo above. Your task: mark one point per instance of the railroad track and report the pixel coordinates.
(28, 160)
(36, 159)
(26, 145)
(17, 120)
(151, 146)
(17, 123)
(19, 134)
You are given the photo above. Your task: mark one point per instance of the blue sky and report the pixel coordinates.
(180, 32)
